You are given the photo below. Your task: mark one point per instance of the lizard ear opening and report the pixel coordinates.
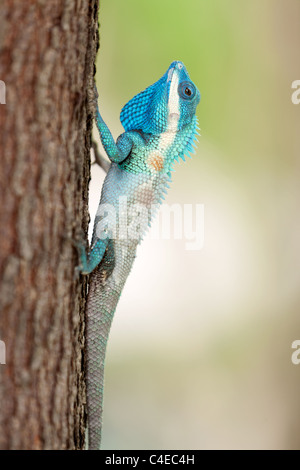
(135, 114)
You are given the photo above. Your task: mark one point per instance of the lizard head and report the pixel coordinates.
(167, 105)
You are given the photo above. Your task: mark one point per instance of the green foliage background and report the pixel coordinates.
(200, 350)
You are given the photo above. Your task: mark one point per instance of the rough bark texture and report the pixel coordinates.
(47, 53)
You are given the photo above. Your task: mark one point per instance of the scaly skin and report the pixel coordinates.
(160, 126)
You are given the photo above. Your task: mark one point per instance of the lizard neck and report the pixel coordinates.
(159, 152)
(169, 146)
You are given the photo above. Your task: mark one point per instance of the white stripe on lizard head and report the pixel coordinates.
(173, 103)
(168, 137)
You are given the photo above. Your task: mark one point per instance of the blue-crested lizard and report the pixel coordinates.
(160, 127)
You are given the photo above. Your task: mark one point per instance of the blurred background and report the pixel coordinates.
(199, 355)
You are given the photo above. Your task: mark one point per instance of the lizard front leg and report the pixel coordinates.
(116, 151)
(99, 159)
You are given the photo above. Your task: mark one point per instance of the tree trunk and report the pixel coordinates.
(47, 54)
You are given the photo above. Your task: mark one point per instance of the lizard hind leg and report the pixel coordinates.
(90, 261)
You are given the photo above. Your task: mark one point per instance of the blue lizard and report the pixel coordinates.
(160, 127)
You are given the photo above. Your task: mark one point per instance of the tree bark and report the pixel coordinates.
(47, 55)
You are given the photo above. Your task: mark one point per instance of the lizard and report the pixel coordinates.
(160, 126)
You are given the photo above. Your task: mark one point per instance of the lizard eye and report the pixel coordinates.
(187, 90)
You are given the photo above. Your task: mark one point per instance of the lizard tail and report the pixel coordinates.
(105, 286)
(98, 323)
